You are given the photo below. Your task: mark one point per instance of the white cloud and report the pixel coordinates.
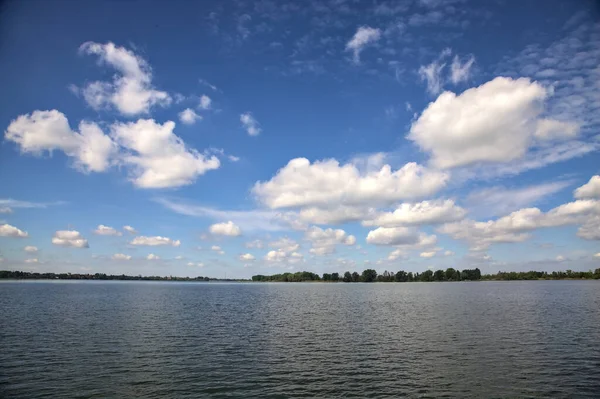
(130, 229)
(42, 131)
(178, 257)
(250, 124)
(428, 254)
(205, 102)
(188, 116)
(448, 253)
(421, 213)
(258, 244)
(285, 244)
(498, 200)
(192, 264)
(208, 84)
(247, 257)
(121, 257)
(597, 256)
(276, 256)
(363, 37)
(250, 220)
(107, 231)
(32, 260)
(400, 236)
(159, 158)
(432, 73)
(217, 249)
(494, 122)
(225, 229)
(551, 129)
(153, 257)
(396, 254)
(131, 91)
(5, 209)
(461, 72)
(12, 203)
(322, 183)
(589, 190)
(6, 230)
(69, 238)
(560, 258)
(516, 226)
(155, 241)
(335, 215)
(324, 241)
(30, 249)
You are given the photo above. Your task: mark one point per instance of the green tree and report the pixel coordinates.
(439, 275)
(347, 277)
(335, 277)
(369, 275)
(451, 274)
(355, 277)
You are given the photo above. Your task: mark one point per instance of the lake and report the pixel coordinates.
(162, 339)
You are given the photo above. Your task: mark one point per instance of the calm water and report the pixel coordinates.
(142, 339)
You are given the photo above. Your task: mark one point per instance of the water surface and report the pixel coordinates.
(160, 339)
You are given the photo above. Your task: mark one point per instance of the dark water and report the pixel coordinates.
(141, 339)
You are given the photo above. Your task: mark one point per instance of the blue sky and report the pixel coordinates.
(236, 138)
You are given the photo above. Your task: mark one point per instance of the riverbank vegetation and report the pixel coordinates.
(367, 276)
(18, 275)
(450, 274)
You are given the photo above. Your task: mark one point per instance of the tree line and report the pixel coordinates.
(450, 274)
(18, 275)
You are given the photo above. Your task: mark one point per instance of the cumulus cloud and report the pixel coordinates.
(32, 260)
(155, 241)
(517, 226)
(324, 242)
(396, 254)
(131, 91)
(258, 244)
(205, 102)
(250, 124)
(159, 158)
(130, 229)
(188, 116)
(285, 244)
(364, 36)
(41, 131)
(400, 236)
(421, 213)
(247, 257)
(225, 229)
(301, 184)
(494, 122)
(107, 231)
(6, 230)
(121, 257)
(589, 190)
(281, 256)
(69, 238)
(551, 129)
(153, 154)
(217, 249)
(152, 257)
(427, 254)
(31, 249)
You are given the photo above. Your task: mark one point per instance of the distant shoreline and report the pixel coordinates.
(367, 276)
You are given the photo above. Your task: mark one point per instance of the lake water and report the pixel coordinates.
(145, 339)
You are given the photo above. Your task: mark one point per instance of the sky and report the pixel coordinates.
(233, 138)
